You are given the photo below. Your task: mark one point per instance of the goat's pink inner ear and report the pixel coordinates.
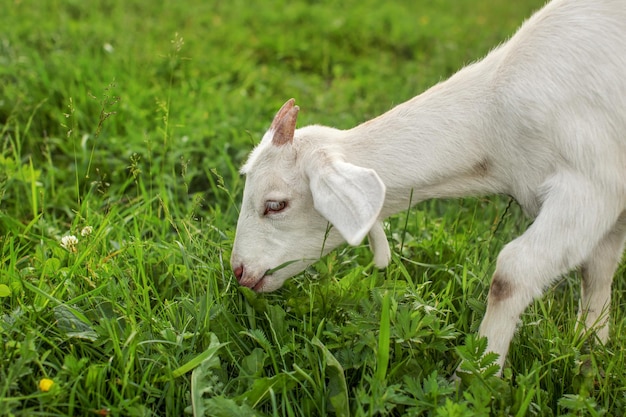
(286, 127)
(282, 112)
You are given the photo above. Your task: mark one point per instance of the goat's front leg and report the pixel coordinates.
(574, 218)
(597, 275)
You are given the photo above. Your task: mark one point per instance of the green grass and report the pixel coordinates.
(127, 121)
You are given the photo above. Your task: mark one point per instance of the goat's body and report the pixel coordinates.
(504, 125)
(541, 118)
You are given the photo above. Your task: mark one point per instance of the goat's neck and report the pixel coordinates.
(435, 145)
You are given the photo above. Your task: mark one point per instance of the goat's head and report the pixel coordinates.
(296, 187)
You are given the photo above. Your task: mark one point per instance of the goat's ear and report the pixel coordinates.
(348, 196)
(284, 123)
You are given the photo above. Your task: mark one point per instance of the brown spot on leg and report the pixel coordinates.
(500, 288)
(481, 169)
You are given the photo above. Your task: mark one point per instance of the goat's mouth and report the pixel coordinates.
(254, 283)
(271, 280)
(258, 286)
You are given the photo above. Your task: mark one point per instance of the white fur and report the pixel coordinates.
(542, 118)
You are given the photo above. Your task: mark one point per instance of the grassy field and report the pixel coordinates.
(123, 124)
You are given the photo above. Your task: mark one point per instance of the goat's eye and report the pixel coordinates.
(274, 206)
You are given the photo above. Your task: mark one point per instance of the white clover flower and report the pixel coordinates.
(87, 230)
(69, 243)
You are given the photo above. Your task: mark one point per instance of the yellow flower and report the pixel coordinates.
(45, 384)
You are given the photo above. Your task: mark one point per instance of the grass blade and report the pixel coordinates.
(382, 356)
(214, 347)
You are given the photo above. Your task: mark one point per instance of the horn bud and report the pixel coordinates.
(284, 123)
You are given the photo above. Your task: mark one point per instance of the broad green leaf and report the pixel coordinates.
(226, 407)
(202, 377)
(254, 362)
(72, 322)
(52, 266)
(262, 387)
(337, 387)
(5, 291)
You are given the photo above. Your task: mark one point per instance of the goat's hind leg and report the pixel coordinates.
(574, 218)
(597, 275)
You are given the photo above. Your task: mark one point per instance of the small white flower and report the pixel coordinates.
(69, 243)
(108, 48)
(87, 230)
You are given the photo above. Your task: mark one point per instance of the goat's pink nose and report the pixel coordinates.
(238, 272)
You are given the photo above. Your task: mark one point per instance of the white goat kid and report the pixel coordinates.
(541, 118)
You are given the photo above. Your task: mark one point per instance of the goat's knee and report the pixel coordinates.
(500, 289)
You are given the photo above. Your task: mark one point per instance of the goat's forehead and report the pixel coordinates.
(266, 156)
